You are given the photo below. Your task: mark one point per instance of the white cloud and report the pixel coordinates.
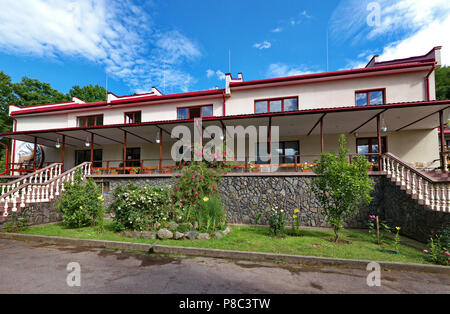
(116, 34)
(277, 30)
(282, 70)
(218, 74)
(409, 27)
(264, 45)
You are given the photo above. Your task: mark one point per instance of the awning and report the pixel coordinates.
(347, 120)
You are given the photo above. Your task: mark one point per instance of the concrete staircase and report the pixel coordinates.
(40, 186)
(431, 188)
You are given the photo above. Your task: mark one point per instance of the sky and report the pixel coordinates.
(179, 46)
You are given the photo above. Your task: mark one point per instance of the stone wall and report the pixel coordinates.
(35, 214)
(244, 196)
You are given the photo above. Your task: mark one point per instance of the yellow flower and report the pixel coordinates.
(205, 199)
(295, 216)
(100, 197)
(398, 228)
(296, 210)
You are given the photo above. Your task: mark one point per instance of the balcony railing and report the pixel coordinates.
(288, 163)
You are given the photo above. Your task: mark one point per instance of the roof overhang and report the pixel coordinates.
(347, 120)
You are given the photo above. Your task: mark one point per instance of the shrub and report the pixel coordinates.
(276, 221)
(139, 208)
(439, 247)
(341, 186)
(198, 181)
(81, 203)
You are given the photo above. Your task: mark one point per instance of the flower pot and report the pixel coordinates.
(167, 171)
(306, 170)
(256, 170)
(148, 171)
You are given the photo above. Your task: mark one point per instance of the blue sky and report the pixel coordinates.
(179, 45)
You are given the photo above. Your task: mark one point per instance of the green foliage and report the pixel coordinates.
(88, 93)
(439, 247)
(210, 216)
(196, 181)
(17, 222)
(34, 92)
(139, 208)
(277, 221)
(81, 204)
(442, 77)
(341, 187)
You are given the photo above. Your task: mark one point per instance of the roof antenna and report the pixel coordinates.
(327, 49)
(106, 86)
(229, 60)
(164, 75)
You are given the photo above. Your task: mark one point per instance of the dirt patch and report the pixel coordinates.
(316, 285)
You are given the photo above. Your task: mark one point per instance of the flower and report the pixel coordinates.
(295, 216)
(372, 217)
(398, 228)
(205, 199)
(425, 251)
(296, 210)
(447, 253)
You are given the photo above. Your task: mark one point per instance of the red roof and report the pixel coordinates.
(71, 105)
(334, 73)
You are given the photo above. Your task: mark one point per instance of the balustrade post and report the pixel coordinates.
(14, 201)
(437, 197)
(425, 192)
(413, 183)
(443, 197)
(408, 179)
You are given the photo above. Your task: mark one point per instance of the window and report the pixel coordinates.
(87, 121)
(370, 98)
(276, 105)
(85, 155)
(133, 157)
(286, 152)
(369, 145)
(187, 113)
(132, 117)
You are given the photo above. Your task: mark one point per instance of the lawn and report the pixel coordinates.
(359, 245)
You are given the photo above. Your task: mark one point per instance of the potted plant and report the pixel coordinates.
(134, 171)
(147, 171)
(306, 168)
(97, 171)
(113, 171)
(254, 168)
(167, 171)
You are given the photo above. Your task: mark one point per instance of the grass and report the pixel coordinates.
(361, 245)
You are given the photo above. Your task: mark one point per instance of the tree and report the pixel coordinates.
(34, 92)
(88, 93)
(341, 187)
(443, 83)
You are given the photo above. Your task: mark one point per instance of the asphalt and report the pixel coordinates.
(31, 267)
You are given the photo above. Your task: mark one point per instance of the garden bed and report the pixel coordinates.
(360, 245)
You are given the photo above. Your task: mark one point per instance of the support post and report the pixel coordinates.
(322, 143)
(124, 151)
(63, 152)
(160, 150)
(34, 153)
(270, 143)
(442, 140)
(379, 141)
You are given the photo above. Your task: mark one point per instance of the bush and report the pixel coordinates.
(81, 203)
(196, 197)
(439, 247)
(211, 216)
(276, 221)
(139, 208)
(342, 186)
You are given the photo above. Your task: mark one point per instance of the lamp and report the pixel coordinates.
(58, 144)
(384, 127)
(87, 143)
(158, 136)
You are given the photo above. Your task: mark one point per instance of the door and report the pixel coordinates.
(133, 157)
(85, 155)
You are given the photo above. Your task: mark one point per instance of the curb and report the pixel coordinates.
(228, 254)
(143, 247)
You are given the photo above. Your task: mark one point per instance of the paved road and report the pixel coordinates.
(28, 267)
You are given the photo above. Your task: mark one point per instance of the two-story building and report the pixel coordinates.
(389, 104)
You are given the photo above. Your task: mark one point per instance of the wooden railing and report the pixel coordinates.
(295, 163)
(431, 192)
(35, 191)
